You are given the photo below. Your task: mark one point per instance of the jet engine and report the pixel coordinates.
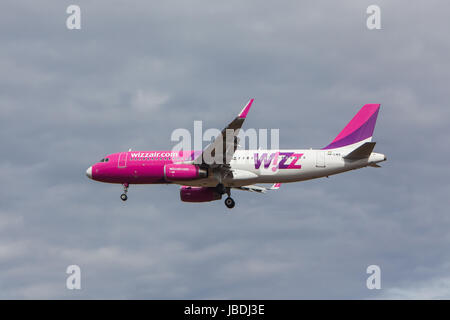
(180, 172)
(199, 194)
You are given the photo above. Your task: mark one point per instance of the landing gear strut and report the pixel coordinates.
(124, 196)
(229, 202)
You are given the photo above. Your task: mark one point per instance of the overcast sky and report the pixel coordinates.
(139, 69)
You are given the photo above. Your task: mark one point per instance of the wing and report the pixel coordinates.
(260, 189)
(220, 152)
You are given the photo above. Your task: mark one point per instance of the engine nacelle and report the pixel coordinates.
(180, 172)
(199, 194)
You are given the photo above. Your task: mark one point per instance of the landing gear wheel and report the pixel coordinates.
(124, 196)
(229, 202)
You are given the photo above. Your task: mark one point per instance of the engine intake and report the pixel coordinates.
(199, 194)
(180, 172)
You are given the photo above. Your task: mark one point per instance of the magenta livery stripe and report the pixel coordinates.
(359, 128)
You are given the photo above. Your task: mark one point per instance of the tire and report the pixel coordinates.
(124, 197)
(229, 202)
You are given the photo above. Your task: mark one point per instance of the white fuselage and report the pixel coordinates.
(290, 165)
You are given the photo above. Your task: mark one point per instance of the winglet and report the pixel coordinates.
(246, 109)
(276, 186)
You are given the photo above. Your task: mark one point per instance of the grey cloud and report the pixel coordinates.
(138, 70)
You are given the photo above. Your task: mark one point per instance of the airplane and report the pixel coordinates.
(205, 179)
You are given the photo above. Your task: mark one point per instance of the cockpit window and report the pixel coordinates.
(106, 159)
(103, 160)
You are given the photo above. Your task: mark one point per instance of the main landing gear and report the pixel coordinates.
(229, 202)
(124, 196)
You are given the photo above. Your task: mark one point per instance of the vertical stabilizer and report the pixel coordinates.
(359, 129)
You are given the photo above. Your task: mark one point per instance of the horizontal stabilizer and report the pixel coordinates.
(361, 152)
(374, 165)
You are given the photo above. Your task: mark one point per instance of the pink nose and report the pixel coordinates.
(89, 172)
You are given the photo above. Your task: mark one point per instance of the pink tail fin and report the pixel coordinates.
(358, 129)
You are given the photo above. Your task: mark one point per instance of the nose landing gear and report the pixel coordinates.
(124, 196)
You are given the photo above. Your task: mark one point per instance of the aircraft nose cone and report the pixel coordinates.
(89, 172)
